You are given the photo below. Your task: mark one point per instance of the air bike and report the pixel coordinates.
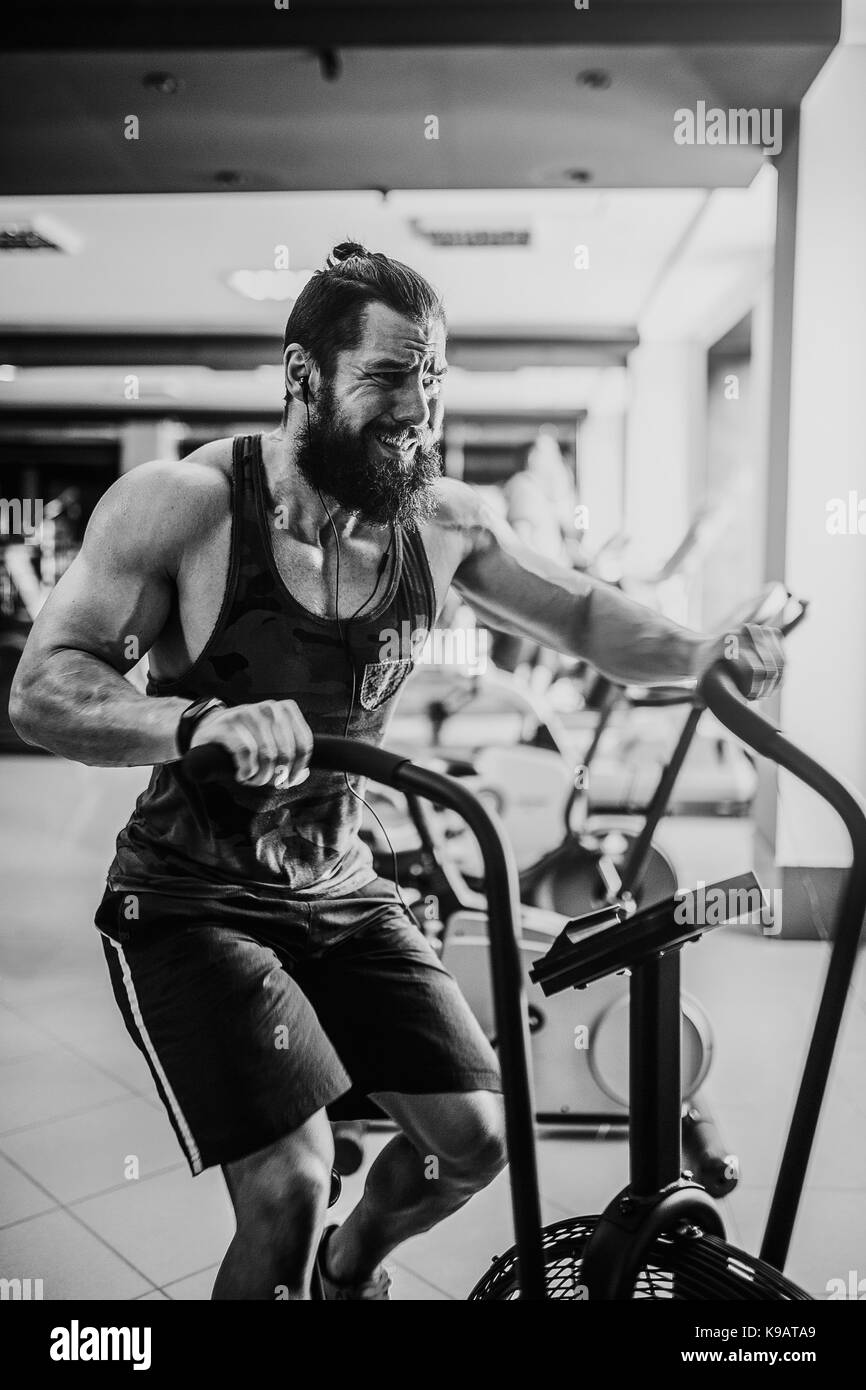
(662, 1236)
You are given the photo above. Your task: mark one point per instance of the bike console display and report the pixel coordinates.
(606, 941)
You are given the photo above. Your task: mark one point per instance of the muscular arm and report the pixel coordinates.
(519, 591)
(69, 693)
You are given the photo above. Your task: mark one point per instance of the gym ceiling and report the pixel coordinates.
(281, 104)
(333, 94)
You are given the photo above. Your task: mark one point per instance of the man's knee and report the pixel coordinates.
(474, 1149)
(283, 1190)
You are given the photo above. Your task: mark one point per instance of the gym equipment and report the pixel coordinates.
(532, 787)
(348, 1146)
(577, 1056)
(662, 1237)
(211, 762)
(580, 1076)
(317, 1290)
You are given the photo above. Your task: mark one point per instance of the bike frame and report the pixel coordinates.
(729, 708)
(210, 762)
(658, 1198)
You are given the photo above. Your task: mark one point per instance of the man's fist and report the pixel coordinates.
(271, 741)
(754, 655)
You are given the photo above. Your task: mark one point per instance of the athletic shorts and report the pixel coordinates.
(254, 1014)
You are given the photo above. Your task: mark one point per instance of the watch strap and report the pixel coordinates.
(191, 716)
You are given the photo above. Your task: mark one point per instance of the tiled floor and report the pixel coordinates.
(96, 1200)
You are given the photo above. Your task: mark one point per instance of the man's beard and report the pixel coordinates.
(350, 468)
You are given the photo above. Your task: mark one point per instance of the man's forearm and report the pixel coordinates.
(80, 707)
(632, 644)
(515, 590)
(583, 617)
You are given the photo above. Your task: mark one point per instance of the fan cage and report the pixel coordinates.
(696, 1267)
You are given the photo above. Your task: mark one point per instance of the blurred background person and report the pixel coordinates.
(540, 505)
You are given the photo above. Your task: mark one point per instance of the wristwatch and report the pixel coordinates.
(191, 717)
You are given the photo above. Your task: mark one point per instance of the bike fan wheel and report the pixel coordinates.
(696, 1268)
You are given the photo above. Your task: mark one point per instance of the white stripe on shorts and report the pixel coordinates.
(185, 1131)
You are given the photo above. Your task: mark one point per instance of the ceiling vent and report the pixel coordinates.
(480, 236)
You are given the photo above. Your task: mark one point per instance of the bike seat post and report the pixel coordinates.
(655, 1077)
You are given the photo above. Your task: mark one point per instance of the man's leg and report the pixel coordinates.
(280, 1197)
(211, 1007)
(451, 1147)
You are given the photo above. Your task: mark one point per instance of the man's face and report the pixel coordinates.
(375, 424)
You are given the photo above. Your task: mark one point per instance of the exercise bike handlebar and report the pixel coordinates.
(210, 762)
(722, 696)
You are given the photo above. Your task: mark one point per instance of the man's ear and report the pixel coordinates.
(297, 369)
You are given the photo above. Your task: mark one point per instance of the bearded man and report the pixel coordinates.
(266, 973)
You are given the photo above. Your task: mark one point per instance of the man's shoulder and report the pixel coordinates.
(215, 453)
(208, 469)
(192, 486)
(158, 507)
(472, 511)
(463, 523)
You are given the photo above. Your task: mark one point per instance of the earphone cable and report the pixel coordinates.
(348, 650)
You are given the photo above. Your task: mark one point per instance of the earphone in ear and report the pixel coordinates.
(305, 389)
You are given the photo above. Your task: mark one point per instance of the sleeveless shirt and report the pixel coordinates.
(205, 841)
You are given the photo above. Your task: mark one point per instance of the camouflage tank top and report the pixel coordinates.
(302, 841)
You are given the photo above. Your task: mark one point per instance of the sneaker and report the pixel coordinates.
(375, 1289)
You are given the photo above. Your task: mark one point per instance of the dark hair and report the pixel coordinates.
(326, 316)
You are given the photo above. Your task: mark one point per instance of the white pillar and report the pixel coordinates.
(665, 444)
(824, 698)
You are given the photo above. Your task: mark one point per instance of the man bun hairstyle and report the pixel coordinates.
(326, 316)
(346, 251)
